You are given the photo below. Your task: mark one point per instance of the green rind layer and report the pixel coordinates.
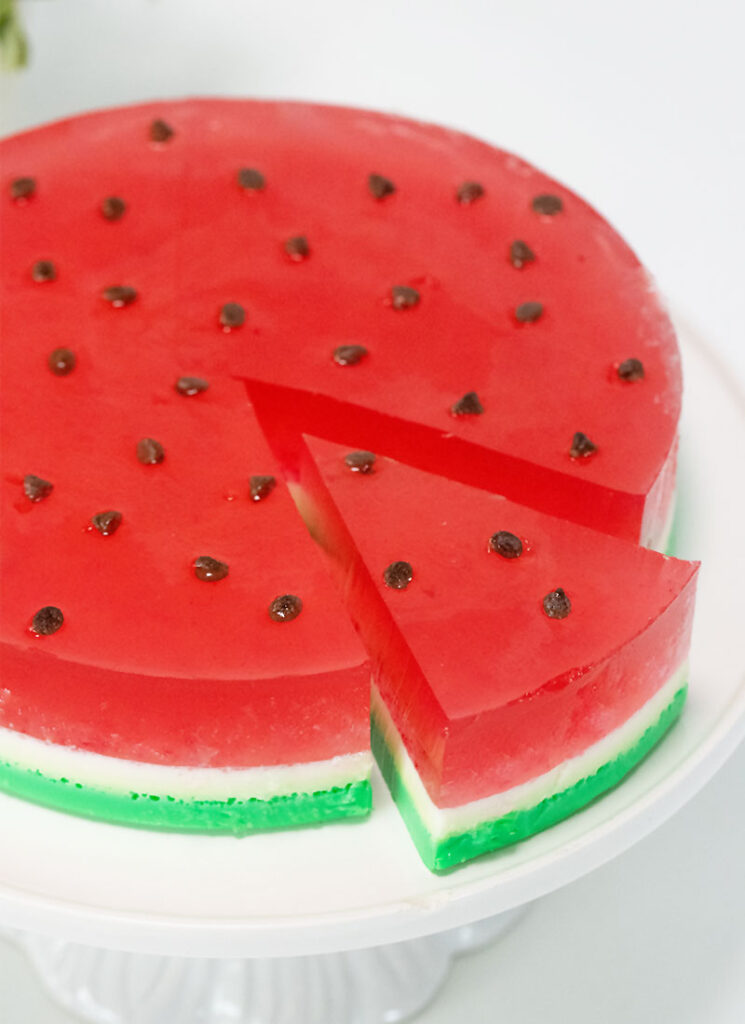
(449, 851)
(144, 810)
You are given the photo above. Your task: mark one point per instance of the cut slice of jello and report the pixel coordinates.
(173, 651)
(522, 664)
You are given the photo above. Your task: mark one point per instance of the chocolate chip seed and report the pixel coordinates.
(520, 254)
(398, 575)
(251, 180)
(581, 446)
(35, 488)
(47, 621)
(44, 270)
(61, 361)
(349, 355)
(297, 248)
(468, 405)
(285, 608)
(380, 187)
(403, 297)
(232, 315)
(529, 312)
(160, 131)
(112, 208)
(506, 544)
(261, 487)
(22, 188)
(360, 462)
(191, 385)
(119, 295)
(469, 192)
(150, 452)
(547, 204)
(107, 522)
(209, 569)
(556, 604)
(631, 369)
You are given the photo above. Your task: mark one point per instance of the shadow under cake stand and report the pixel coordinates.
(343, 925)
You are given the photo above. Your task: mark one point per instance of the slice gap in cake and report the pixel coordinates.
(523, 665)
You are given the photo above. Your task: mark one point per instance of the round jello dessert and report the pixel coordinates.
(294, 396)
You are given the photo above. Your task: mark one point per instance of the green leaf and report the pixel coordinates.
(13, 42)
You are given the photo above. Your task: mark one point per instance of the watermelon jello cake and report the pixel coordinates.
(191, 288)
(522, 664)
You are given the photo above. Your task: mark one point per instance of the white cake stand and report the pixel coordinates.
(343, 925)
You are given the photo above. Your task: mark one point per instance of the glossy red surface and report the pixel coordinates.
(486, 689)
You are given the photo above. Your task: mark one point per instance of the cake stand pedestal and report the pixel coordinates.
(365, 986)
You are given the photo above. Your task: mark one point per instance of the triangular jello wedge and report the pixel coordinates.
(523, 664)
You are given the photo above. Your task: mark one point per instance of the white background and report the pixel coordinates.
(640, 107)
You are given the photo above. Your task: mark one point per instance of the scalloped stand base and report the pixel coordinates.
(381, 985)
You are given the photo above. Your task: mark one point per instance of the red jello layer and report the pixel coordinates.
(199, 722)
(486, 689)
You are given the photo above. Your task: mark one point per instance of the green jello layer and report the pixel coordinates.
(444, 853)
(144, 810)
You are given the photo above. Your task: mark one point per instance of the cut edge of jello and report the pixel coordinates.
(185, 799)
(446, 838)
(287, 413)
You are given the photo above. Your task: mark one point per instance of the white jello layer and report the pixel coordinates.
(183, 783)
(441, 822)
(662, 541)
